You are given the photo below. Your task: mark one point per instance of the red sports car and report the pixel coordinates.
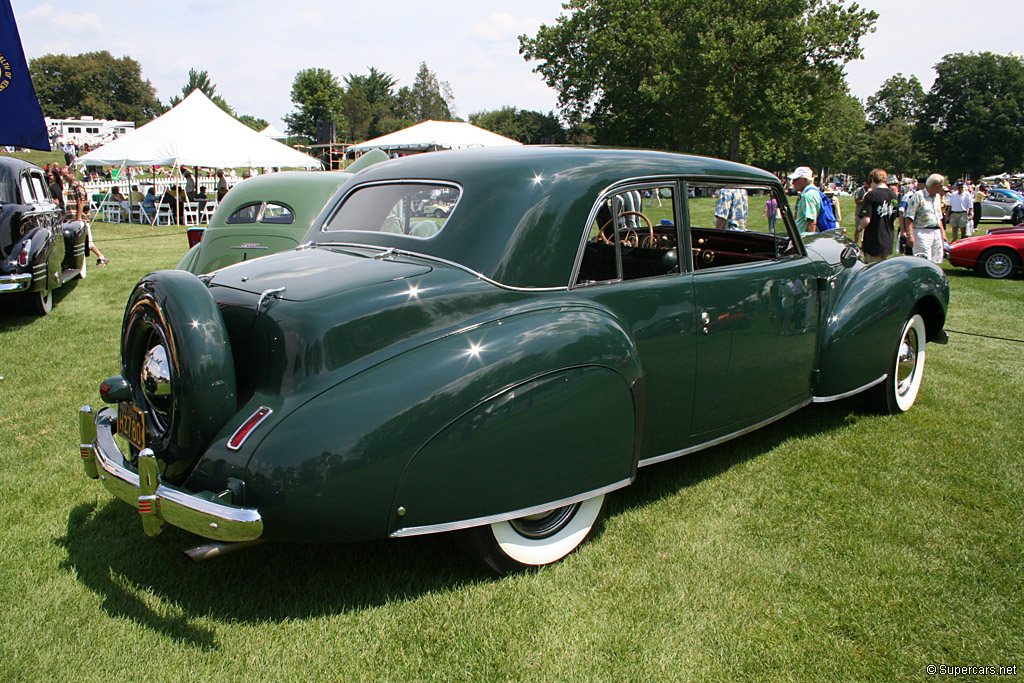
(996, 254)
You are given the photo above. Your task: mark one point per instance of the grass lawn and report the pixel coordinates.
(834, 545)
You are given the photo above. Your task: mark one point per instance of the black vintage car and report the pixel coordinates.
(39, 252)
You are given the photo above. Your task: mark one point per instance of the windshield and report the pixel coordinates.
(418, 210)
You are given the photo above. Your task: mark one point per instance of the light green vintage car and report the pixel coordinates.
(264, 215)
(496, 372)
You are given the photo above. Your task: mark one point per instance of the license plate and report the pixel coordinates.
(131, 424)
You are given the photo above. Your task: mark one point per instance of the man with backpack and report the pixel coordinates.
(813, 209)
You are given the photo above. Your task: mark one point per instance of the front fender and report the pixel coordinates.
(866, 316)
(188, 261)
(330, 470)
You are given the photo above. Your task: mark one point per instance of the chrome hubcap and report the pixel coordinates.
(544, 524)
(155, 378)
(907, 362)
(998, 266)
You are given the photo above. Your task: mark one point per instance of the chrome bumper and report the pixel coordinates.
(18, 282)
(157, 502)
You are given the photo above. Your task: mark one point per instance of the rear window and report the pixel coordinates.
(418, 210)
(269, 212)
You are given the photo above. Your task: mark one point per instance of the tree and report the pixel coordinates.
(971, 119)
(94, 84)
(698, 75)
(429, 99)
(368, 100)
(253, 122)
(316, 95)
(898, 98)
(528, 127)
(200, 80)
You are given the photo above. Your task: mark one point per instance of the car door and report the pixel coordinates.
(634, 272)
(756, 297)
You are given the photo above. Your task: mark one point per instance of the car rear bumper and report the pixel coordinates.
(201, 514)
(19, 282)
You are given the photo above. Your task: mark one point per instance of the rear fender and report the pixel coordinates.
(868, 315)
(330, 469)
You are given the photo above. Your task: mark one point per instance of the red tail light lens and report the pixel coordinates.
(243, 432)
(23, 255)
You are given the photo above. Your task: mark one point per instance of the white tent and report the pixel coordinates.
(431, 136)
(197, 133)
(273, 133)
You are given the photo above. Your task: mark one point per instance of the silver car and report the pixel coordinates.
(1003, 205)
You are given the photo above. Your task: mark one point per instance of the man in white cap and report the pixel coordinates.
(924, 213)
(808, 204)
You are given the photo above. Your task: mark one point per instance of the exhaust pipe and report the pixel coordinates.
(217, 548)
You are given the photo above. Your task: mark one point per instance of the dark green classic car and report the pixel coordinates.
(498, 370)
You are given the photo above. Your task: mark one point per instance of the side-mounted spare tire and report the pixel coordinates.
(176, 358)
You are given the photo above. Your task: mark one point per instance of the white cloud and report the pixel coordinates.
(502, 27)
(64, 23)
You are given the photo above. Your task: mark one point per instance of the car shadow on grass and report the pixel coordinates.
(16, 310)
(149, 580)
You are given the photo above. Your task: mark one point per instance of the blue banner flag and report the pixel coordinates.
(21, 118)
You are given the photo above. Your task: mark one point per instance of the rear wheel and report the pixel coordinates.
(999, 263)
(534, 540)
(899, 390)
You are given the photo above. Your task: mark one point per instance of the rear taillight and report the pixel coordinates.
(243, 432)
(25, 253)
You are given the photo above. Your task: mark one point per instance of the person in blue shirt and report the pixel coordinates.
(149, 204)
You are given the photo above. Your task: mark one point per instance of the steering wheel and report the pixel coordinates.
(633, 241)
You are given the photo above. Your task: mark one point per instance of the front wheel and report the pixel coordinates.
(534, 540)
(899, 390)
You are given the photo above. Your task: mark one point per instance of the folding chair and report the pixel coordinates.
(111, 212)
(163, 215)
(190, 213)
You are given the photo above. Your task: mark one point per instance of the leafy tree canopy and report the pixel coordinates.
(429, 99)
(316, 95)
(971, 119)
(528, 127)
(697, 75)
(253, 122)
(94, 84)
(898, 98)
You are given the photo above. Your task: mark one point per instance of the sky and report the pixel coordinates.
(252, 49)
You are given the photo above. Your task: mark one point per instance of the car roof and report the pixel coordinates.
(10, 169)
(522, 210)
(305, 192)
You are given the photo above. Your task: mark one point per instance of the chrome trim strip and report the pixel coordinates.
(848, 394)
(505, 516)
(722, 439)
(202, 517)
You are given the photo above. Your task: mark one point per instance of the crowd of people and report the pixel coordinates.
(913, 217)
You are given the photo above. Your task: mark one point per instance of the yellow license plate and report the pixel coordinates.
(131, 424)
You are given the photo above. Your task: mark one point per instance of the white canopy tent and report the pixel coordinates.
(273, 133)
(431, 136)
(197, 133)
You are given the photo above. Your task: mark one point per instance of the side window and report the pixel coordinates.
(277, 214)
(42, 192)
(246, 214)
(632, 236)
(26, 191)
(737, 224)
